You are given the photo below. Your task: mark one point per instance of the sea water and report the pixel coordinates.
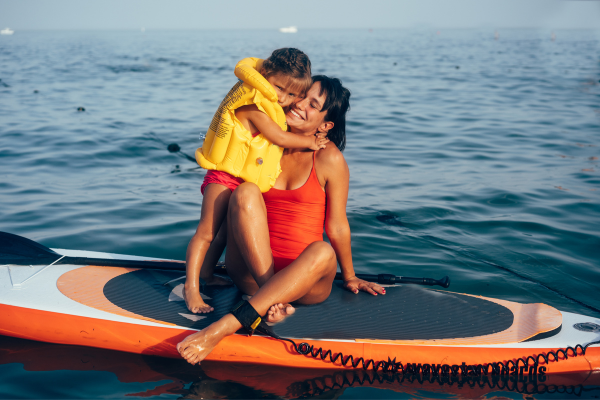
(469, 157)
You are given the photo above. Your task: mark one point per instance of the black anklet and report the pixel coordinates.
(247, 315)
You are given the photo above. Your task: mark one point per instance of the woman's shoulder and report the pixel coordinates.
(330, 154)
(330, 160)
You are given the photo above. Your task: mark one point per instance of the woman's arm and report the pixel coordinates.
(337, 180)
(255, 120)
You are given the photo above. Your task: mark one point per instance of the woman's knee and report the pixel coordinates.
(324, 254)
(244, 196)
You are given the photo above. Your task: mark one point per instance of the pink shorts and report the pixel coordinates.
(222, 178)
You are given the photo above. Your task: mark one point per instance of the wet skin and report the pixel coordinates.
(308, 279)
(206, 247)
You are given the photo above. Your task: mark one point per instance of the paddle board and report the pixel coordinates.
(142, 311)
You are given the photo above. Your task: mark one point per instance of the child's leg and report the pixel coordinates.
(214, 210)
(212, 258)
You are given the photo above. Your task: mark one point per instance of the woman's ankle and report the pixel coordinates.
(230, 325)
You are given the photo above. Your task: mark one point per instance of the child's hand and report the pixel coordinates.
(320, 141)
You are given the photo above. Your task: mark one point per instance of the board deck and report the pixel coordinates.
(405, 313)
(142, 311)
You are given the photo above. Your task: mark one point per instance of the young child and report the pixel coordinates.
(245, 142)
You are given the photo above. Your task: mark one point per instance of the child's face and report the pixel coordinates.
(286, 93)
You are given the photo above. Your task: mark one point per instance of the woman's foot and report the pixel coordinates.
(194, 301)
(197, 346)
(278, 312)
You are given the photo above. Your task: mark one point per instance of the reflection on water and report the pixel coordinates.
(155, 376)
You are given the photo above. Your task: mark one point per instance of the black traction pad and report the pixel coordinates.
(403, 313)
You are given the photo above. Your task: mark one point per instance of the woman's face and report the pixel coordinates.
(305, 115)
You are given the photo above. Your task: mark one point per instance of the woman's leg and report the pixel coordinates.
(250, 264)
(248, 257)
(214, 209)
(308, 279)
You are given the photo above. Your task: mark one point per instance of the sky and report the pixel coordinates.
(305, 14)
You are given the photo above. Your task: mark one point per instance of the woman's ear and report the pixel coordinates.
(325, 127)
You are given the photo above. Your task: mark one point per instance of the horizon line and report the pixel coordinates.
(146, 29)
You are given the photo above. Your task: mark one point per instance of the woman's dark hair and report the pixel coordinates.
(337, 103)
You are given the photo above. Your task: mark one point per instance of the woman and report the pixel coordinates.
(275, 248)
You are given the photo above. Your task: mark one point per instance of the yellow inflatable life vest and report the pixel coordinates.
(230, 147)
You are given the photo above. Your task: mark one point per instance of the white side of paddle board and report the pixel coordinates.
(41, 293)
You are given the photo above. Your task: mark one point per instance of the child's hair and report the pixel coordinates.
(337, 103)
(292, 63)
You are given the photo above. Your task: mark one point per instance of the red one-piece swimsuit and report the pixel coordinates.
(296, 218)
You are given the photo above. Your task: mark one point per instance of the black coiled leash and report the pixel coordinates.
(252, 321)
(496, 368)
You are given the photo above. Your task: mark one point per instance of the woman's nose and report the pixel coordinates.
(301, 104)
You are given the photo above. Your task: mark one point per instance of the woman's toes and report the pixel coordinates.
(192, 358)
(189, 351)
(182, 346)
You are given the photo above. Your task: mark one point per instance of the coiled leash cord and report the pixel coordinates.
(251, 321)
(497, 368)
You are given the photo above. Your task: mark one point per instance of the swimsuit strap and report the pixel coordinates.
(313, 179)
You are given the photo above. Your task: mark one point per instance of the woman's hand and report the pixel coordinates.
(354, 285)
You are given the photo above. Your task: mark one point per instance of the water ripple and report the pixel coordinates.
(469, 157)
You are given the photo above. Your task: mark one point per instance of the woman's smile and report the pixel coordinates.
(295, 113)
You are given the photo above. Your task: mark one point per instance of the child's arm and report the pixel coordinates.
(257, 121)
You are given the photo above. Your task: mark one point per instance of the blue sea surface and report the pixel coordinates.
(469, 157)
